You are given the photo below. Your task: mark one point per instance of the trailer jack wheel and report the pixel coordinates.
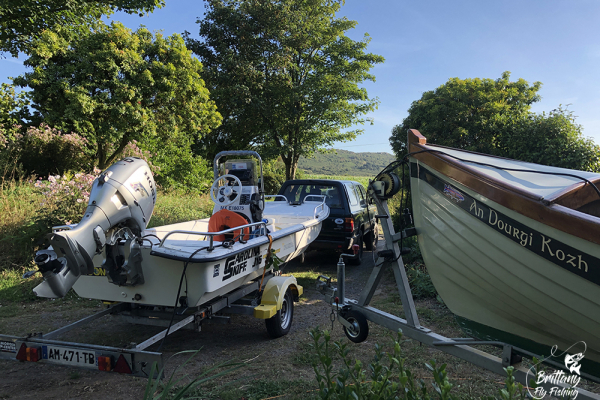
(279, 324)
(360, 329)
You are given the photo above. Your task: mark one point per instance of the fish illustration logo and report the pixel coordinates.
(453, 193)
(572, 362)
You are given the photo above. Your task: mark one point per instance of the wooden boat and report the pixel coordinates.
(513, 248)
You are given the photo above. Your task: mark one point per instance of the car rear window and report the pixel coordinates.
(297, 193)
(352, 195)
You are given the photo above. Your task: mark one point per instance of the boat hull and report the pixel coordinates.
(500, 269)
(227, 269)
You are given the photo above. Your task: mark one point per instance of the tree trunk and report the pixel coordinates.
(291, 166)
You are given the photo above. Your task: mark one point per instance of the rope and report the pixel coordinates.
(266, 260)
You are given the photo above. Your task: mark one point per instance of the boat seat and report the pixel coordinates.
(225, 219)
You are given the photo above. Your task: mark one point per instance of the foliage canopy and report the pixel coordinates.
(114, 86)
(467, 113)
(284, 75)
(23, 21)
(494, 117)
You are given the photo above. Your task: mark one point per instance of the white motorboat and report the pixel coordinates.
(110, 255)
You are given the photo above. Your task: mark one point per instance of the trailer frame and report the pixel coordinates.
(138, 359)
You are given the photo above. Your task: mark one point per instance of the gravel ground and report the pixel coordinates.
(285, 361)
(242, 339)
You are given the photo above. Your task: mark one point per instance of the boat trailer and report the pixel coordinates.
(354, 314)
(136, 360)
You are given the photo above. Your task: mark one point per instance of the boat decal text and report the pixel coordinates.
(238, 263)
(553, 250)
(233, 208)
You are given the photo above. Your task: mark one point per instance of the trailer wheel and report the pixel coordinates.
(358, 259)
(279, 324)
(371, 238)
(361, 327)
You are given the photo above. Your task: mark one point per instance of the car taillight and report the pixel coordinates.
(349, 225)
(29, 353)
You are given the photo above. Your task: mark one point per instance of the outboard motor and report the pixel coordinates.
(121, 203)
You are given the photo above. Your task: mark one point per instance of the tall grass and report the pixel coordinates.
(363, 180)
(19, 203)
(174, 207)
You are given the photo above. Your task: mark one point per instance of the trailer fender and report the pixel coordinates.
(273, 293)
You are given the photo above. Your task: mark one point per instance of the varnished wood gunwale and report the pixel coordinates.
(558, 216)
(576, 195)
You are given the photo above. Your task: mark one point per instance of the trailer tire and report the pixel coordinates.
(357, 260)
(279, 324)
(372, 238)
(361, 331)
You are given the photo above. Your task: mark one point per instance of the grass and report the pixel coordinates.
(263, 388)
(363, 180)
(306, 279)
(174, 207)
(19, 203)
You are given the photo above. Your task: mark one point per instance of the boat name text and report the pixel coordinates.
(238, 263)
(553, 250)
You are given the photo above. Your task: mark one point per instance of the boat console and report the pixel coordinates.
(236, 186)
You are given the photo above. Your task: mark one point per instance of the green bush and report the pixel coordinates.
(386, 377)
(274, 176)
(178, 168)
(45, 151)
(65, 198)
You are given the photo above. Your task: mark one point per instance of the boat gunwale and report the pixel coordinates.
(554, 212)
(200, 258)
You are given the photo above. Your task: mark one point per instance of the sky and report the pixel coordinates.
(427, 42)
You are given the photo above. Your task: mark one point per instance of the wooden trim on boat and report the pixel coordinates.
(576, 195)
(559, 215)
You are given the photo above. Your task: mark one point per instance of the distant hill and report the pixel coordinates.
(344, 162)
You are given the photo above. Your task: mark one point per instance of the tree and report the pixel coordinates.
(550, 139)
(284, 75)
(13, 108)
(22, 21)
(467, 113)
(494, 117)
(114, 86)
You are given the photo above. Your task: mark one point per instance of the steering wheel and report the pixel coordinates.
(223, 195)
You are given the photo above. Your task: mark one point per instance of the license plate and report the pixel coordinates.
(9, 347)
(67, 356)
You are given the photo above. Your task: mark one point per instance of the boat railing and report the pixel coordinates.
(210, 235)
(320, 207)
(276, 196)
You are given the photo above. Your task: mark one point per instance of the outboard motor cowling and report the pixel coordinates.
(123, 196)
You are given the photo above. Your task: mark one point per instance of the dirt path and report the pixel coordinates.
(243, 338)
(278, 367)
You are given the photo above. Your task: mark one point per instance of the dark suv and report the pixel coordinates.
(351, 219)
